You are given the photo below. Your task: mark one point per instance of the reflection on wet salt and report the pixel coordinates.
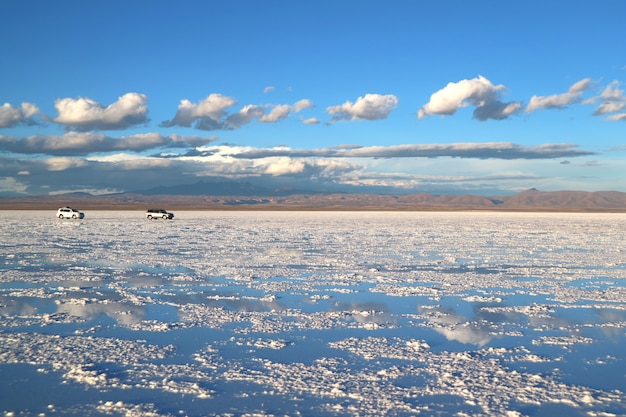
(359, 314)
(454, 327)
(15, 306)
(124, 314)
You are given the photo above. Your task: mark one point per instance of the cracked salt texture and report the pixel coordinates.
(364, 314)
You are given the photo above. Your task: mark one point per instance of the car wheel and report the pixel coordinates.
(60, 216)
(149, 217)
(165, 216)
(73, 216)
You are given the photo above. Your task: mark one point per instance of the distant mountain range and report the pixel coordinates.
(243, 196)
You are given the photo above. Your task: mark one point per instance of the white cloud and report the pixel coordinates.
(369, 107)
(11, 116)
(282, 111)
(244, 116)
(609, 107)
(269, 89)
(580, 86)
(61, 164)
(285, 166)
(120, 157)
(208, 114)
(497, 110)
(559, 101)
(311, 121)
(86, 114)
(279, 112)
(612, 92)
(612, 101)
(134, 162)
(211, 113)
(618, 116)
(303, 104)
(318, 168)
(478, 92)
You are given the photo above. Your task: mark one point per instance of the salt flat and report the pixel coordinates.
(313, 313)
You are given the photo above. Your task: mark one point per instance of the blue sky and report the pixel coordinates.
(485, 97)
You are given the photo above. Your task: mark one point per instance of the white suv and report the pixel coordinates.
(69, 213)
(158, 214)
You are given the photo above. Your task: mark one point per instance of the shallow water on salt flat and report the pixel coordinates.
(324, 313)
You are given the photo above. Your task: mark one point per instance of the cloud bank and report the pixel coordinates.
(92, 160)
(489, 150)
(85, 143)
(354, 166)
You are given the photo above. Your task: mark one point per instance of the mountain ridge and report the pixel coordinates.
(528, 200)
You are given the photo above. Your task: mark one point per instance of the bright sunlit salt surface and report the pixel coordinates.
(307, 313)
